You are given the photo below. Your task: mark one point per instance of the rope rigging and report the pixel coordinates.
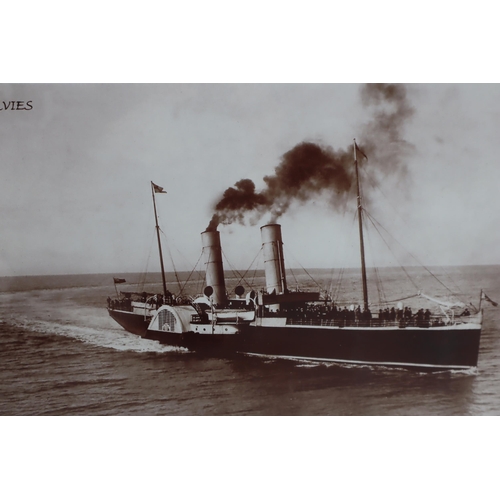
(390, 249)
(171, 260)
(200, 276)
(374, 221)
(236, 273)
(334, 293)
(303, 269)
(338, 285)
(373, 182)
(144, 273)
(258, 256)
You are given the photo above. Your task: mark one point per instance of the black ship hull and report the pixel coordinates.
(216, 345)
(417, 348)
(130, 321)
(427, 348)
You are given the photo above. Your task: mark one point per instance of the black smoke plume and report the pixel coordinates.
(309, 169)
(382, 137)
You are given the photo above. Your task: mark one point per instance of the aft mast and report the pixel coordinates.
(158, 189)
(360, 221)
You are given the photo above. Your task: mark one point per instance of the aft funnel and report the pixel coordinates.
(274, 261)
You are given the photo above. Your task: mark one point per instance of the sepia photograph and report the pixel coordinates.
(255, 249)
(266, 234)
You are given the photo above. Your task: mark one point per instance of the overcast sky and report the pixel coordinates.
(76, 170)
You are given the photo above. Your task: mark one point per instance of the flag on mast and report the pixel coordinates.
(158, 189)
(492, 302)
(359, 150)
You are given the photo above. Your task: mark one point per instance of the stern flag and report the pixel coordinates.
(492, 302)
(119, 280)
(359, 150)
(158, 189)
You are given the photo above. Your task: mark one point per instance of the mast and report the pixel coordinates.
(159, 242)
(361, 240)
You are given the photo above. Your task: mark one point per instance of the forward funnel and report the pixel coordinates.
(212, 253)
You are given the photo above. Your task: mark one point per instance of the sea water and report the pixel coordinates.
(61, 354)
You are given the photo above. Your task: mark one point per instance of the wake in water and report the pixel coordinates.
(54, 312)
(110, 338)
(306, 363)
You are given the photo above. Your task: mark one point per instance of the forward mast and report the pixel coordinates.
(165, 293)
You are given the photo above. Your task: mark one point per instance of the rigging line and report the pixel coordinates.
(390, 249)
(331, 289)
(191, 273)
(334, 290)
(338, 284)
(380, 289)
(303, 269)
(295, 278)
(291, 270)
(249, 267)
(172, 260)
(332, 276)
(231, 267)
(375, 184)
(460, 291)
(426, 268)
(371, 253)
(378, 281)
(144, 274)
(172, 243)
(235, 272)
(259, 256)
(402, 298)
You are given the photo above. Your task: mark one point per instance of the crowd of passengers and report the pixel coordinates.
(125, 303)
(355, 315)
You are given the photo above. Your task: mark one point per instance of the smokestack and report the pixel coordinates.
(274, 262)
(213, 261)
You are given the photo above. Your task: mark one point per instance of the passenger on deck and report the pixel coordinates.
(408, 314)
(420, 317)
(358, 313)
(392, 314)
(159, 300)
(367, 315)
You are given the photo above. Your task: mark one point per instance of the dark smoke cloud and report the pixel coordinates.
(309, 169)
(304, 170)
(382, 137)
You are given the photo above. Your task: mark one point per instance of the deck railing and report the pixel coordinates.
(433, 321)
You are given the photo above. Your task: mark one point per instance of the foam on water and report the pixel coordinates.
(55, 312)
(114, 339)
(306, 363)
